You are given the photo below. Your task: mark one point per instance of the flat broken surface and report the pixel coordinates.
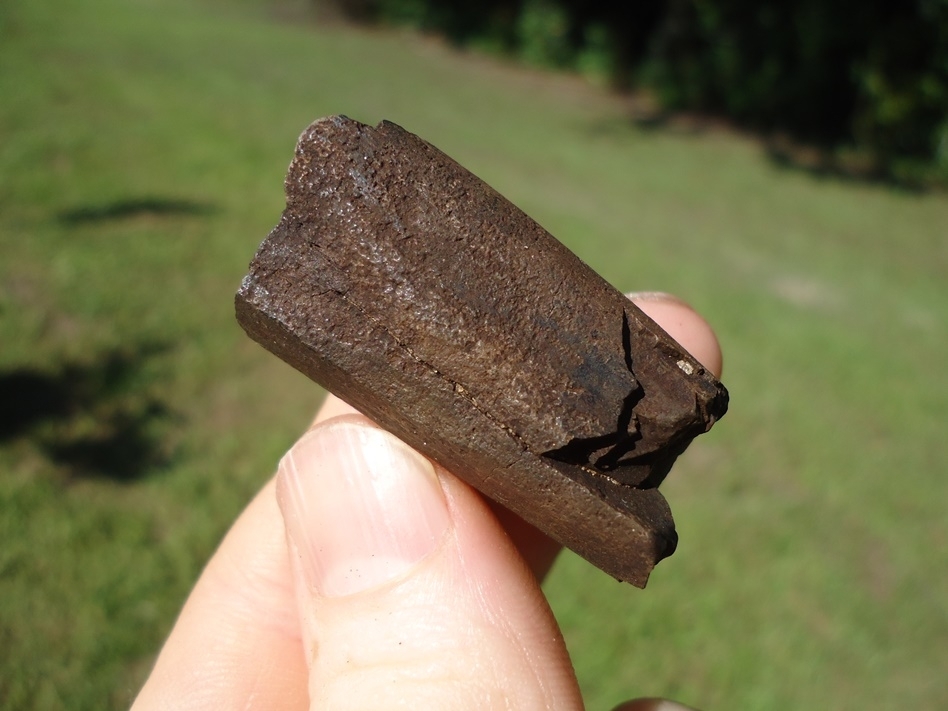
(408, 287)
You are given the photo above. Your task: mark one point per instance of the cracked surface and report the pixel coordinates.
(407, 286)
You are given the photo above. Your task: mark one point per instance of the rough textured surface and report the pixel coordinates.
(404, 284)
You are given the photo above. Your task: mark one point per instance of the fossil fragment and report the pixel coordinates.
(411, 289)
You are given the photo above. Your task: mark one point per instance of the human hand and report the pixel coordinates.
(364, 576)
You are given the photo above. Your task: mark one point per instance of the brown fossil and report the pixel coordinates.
(411, 289)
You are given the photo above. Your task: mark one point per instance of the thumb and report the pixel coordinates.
(410, 594)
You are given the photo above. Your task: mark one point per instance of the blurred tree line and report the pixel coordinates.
(869, 75)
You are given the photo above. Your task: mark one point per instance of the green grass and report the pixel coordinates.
(142, 151)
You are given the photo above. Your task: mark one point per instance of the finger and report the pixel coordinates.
(407, 585)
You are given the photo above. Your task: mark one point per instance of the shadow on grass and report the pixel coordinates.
(133, 208)
(782, 151)
(822, 162)
(96, 419)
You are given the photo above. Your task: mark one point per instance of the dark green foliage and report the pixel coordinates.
(871, 76)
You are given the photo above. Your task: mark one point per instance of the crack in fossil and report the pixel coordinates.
(584, 451)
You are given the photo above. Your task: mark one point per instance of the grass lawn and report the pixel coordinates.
(142, 151)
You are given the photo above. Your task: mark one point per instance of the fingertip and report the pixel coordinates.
(684, 324)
